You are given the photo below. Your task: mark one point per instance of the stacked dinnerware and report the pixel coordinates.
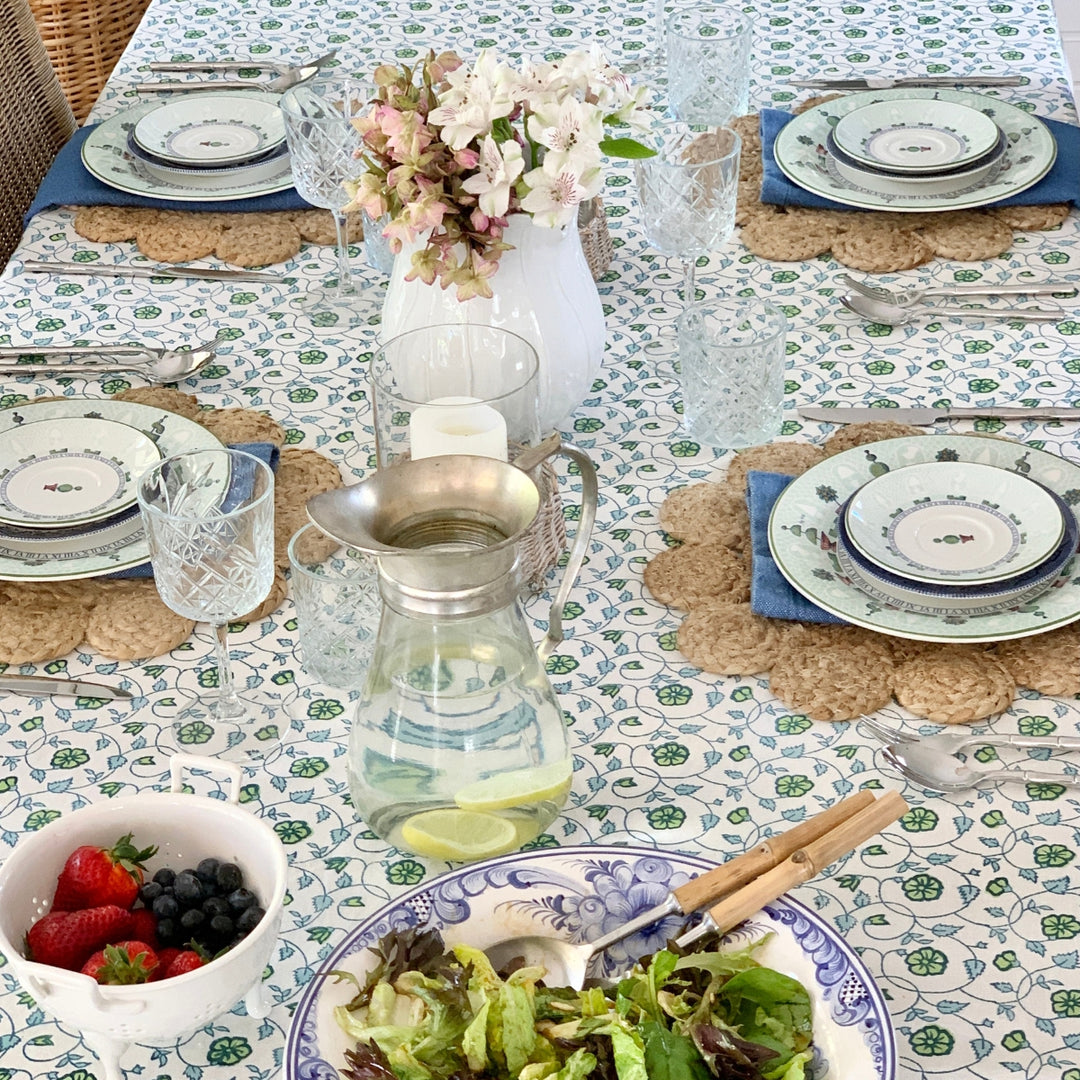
(955, 538)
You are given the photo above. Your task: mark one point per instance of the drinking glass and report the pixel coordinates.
(686, 194)
(708, 63)
(455, 389)
(651, 63)
(323, 148)
(732, 353)
(209, 522)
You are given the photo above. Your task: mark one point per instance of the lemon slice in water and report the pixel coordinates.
(543, 783)
(458, 835)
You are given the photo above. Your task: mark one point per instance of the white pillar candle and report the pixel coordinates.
(457, 425)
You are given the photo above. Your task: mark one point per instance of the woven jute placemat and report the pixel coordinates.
(125, 619)
(877, 241)
(828, 672)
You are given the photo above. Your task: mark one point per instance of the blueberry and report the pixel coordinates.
(215, 905)
(167, 931)
(165, 876)
(150, 892)
(241, 899)
(229, 877)
(249, 919)
(222, 927)
(187, 888)
(207, 870)
(165, 907)
(193, 919)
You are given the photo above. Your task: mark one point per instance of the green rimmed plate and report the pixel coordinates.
(802, 537)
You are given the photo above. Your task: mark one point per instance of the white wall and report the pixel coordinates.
(1068, 16)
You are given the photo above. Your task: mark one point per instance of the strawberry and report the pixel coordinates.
(66, 938)
(94, 876)
(122, 964)
(188, 960)
(143, 927)
(165, 957)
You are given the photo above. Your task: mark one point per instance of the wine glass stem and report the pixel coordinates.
(227, 703)
(689, 288)
(341, 223)
(659, 35)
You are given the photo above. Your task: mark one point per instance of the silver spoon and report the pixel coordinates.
(566, 963)
(951, 742)
(894, 315)
(155, 365)
(907, 297)
(936, 771)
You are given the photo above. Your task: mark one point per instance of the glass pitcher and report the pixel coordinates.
(458, 748)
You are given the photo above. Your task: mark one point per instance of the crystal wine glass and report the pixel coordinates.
(686, 194)
(652, 63)
(209, 521)
(323, 149)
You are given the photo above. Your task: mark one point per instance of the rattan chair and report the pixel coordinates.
(84, 39)
(35, 118)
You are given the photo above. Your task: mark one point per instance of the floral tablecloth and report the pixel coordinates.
(966, 913)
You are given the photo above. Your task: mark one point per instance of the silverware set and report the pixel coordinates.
(887, 83)
(287, 74)
(931, 761)
(155, 365)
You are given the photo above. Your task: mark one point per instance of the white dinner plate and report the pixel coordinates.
(800, 152)
(802, 537)
(118, 545)
(212, 129)
(71, 471)
(954, 522)
(915, 134)
(106, 155)
(579, 893)
(969, 172)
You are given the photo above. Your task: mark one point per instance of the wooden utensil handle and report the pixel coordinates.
(737, 872)
(809, 861)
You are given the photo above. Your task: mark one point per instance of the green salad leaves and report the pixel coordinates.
(428, 1013)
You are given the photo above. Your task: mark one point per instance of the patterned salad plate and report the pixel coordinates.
(111, 545)
(71, 471)
(800, 152)
(579, 893)
(212, 129)
(954, 522)
(803, 533)
(108, 158)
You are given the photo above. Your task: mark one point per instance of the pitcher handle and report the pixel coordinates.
(589, 495)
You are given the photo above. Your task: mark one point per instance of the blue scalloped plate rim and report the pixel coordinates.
(599, 887)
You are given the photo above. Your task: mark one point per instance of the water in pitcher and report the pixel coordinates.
(459, 747)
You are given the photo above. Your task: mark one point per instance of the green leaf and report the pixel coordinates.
(625, 148)
(669, 1056)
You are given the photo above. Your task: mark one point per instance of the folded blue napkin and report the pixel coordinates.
(68, 183)
(770, 593)
(1061, 183)
(242, 479)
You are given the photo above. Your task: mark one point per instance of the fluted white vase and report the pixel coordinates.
(542, 290)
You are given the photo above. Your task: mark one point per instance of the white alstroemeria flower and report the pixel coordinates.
(532, 84)
(498, 168)
(571, 131)
(631, 107)
(477, 96)
(554, 197)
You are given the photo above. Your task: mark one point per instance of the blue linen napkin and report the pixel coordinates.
(771, 594)
(67, 183)
(241, 483)
(1061, 183)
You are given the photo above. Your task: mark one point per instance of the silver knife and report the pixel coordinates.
(844, 414)
(883, 83)
(42, 686)
(35, 266)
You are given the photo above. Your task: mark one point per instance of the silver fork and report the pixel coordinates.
(251, 64)
(907, 297)
(953, 742)
(293, 77)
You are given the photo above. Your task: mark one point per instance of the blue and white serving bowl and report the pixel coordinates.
(579, 893)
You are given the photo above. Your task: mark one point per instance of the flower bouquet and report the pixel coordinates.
(451, 151)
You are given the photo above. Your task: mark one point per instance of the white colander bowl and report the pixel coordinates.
(187, 828)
